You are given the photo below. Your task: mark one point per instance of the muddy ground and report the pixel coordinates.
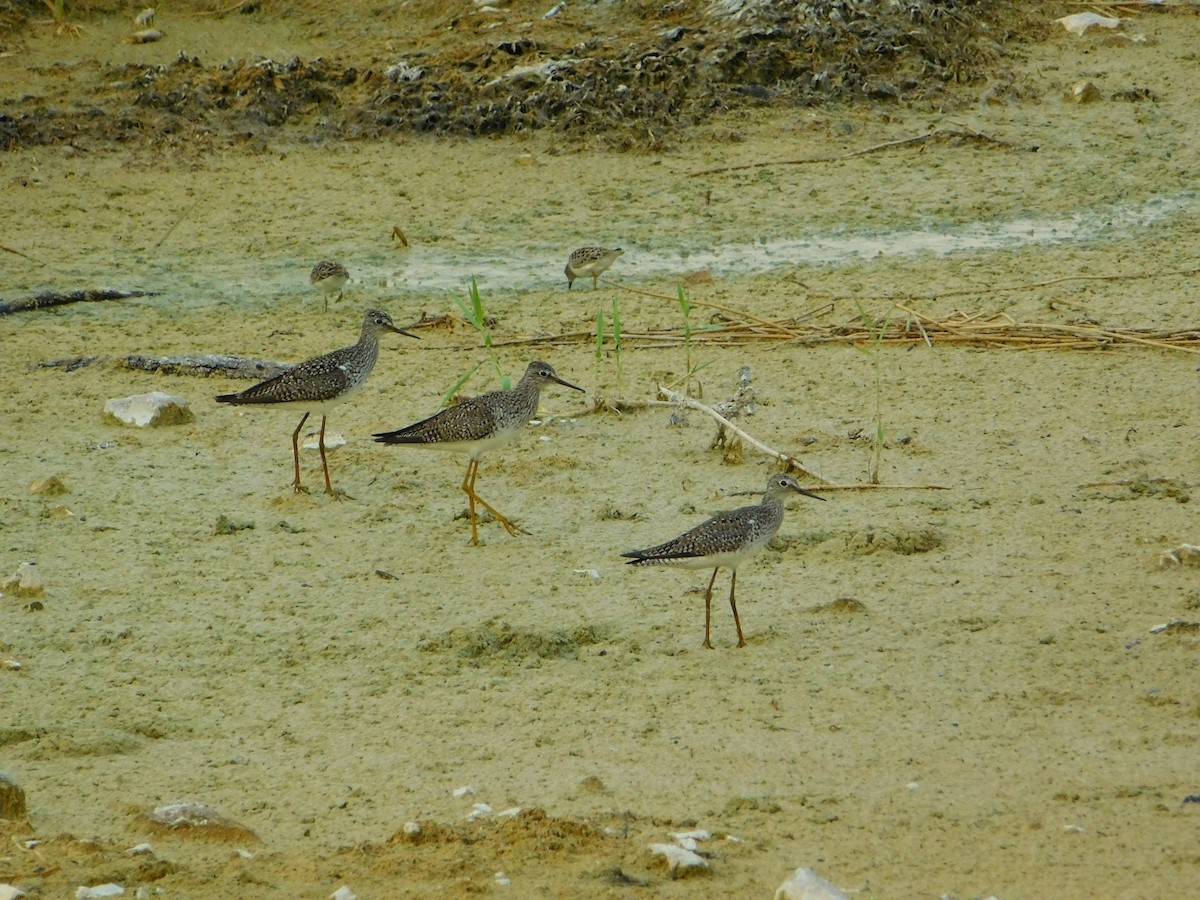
(952, 686)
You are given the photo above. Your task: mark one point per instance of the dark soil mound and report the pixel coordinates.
(674, 65)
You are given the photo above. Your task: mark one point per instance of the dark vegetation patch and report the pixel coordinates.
(674, 65)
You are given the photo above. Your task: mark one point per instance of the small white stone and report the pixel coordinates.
(144, 410)
(1074, 829)
(99, 890)
(698, 835)
(244, 854)
(913, 785)
(139, 850)
(412, 827)
(25, 582)
(480, 811)
(333, 440)
(502, 879)
(510, 813)
(14, 666)
(677, 858)
(593, 574)
(1081, 22)
(343, 893)
(805, 884)
(463, 791)
(8, 892)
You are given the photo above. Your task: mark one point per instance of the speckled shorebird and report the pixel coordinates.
(329, 276)
(320, 383)
(727, 539)
(589, 261)
(479, 424)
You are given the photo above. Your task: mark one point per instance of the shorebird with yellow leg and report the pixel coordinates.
(727, 539)
(478, 425)
(320, 383)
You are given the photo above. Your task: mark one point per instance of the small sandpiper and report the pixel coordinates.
(727, 539)
(590, 261)
(479, 424)
(329, 277)
(320, 383)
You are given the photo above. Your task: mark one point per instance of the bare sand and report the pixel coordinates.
(951, 692)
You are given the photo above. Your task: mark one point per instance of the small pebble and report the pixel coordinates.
(333, 440)
(98, 891)
(678, 859)
(148, 410)
(805, 884)
(25, 582)
(51, 486)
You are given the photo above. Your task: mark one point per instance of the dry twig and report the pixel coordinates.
(936, 134)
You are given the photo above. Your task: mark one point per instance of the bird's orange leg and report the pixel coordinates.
(325, 461)
(296, 454)
(469, 487)
(708, 609)
(733, 606)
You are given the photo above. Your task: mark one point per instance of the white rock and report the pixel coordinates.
(697, 835)
(143, 410)
(1081, 22)
(511, 813)
(183, 812)
(100, 890)
(480, 811)
(463, 791)
(805, 884)
(412, 827)
(343, 893)
(25, 582)
(139, 850)
(502, 879)
(333, 440)
(677, 858)
(8, 892)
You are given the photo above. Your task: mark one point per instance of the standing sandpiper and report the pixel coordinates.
(329, 276)
(589, 261)
(320, 383)
(479, 424)
(726, 539)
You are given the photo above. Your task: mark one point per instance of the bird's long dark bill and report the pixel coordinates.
(811, 494)
(405, 333)
(566, 383)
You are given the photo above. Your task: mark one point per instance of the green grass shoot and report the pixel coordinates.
(473, 311)
(877, 329)
(616, 333)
